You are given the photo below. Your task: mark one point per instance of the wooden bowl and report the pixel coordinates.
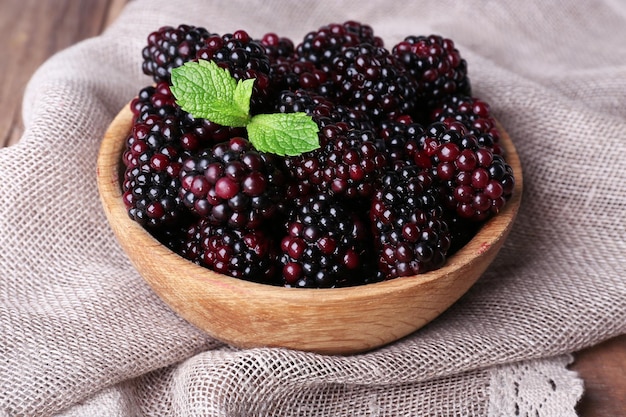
(328, 321)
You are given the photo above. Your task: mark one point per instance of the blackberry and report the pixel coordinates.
(369, 78)
(170, 47)
(321, 46)
(232, 184)
(347, 164)
(246, 254)
(476, 182)
(408, 223)
(152, 160)
(245, 58)
(157, 103)
(325, 246)
(475, 115)
(304, 101)
(323, 111)
(277, 47)
(293, 74)
(436, 65)
(162, 136)
(399, 137)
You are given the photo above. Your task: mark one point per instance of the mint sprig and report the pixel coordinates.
(207, 91)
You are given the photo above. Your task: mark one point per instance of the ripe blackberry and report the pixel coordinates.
(347, 164)
(152, 159)
(321, 46)
(436, 65)
(246, 254)
(476, 182)
(245, 58)
(293, 74)
(323, 111)
(407, 218)
(369, 78)
(475, 115)
(151, 195)
(399, 137)
(277, 47)
(170, 47)
(232, 184)
(157, 103)
(325, 246)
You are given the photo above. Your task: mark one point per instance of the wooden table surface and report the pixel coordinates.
(33, 30)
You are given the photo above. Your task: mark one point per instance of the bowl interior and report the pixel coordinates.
(329, 321)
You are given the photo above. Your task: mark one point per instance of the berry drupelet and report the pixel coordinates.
(325, 246)
(170, 47)
(398, 138)
(322, 110)
(408, 224)
(232, 184)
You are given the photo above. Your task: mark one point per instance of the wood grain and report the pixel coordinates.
(32, 30)
(603, 369)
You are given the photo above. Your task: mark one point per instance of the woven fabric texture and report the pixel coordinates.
(81, 334)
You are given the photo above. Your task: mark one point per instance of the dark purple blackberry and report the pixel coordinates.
(170, 48)
(347, 164)
(475, 115)
(157, 103)
(398, 137)
(152, 160)
(325, 246)
(410, 232)
(368, 78)
(437, 67)
(151, 195)
(245, 254)
(476, 182)
(321, 46)
(277, 48)
(293, 74)
(323, 111)
(162, 136)
(232, 184)
(245, 58)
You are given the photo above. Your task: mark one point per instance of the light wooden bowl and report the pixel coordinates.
(328, 321)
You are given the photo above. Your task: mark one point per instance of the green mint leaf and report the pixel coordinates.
(207, 91)
(283, 133)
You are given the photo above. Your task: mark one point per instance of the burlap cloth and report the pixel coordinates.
(82, 335)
